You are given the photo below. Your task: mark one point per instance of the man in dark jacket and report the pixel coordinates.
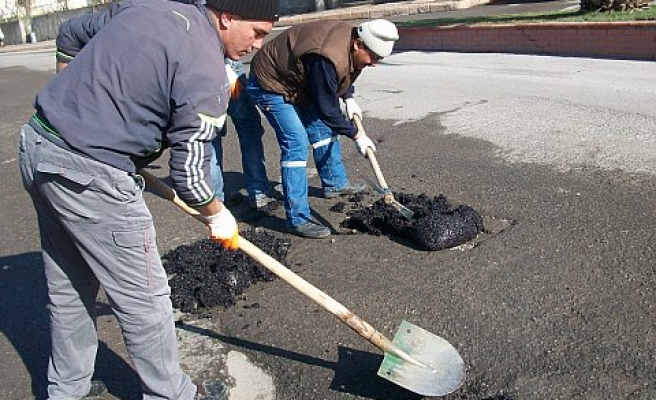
(75, 33)
(297, 79)
(152, 78)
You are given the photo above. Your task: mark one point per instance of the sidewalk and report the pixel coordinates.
(14, 48)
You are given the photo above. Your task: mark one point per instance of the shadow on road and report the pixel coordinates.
(23, 299)
(349, 369)
(24, 322)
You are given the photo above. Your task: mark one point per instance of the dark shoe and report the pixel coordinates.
(262, 200)
(310, 230)
(98, 389)
(211, 391)
(350, 188)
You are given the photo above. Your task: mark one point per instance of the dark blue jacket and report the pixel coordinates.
(153, 77)
(322, 88)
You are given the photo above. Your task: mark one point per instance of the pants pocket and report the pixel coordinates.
(68, 192)
(137, 260)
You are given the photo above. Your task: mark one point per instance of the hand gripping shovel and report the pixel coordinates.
(416, 360)
(388, 196)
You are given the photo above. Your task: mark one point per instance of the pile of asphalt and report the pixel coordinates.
(204, 275)
(437, 224)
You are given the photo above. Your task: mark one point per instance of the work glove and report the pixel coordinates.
(223, 229)
(362, 142)
(352, 108)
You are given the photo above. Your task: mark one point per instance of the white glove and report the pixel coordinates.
(352, 108)
(362, 142)
(223, 229)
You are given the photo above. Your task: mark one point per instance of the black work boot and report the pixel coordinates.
(262, 200)
(211, 391)
(97, 391)
(310, 230)
(349, 188)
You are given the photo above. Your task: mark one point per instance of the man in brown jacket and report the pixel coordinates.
(297, 80)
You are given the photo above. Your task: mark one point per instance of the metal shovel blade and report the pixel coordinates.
(405, 211)
(443, 370)
(388, 198)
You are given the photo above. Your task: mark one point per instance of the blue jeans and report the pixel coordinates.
(249, 129)
(296, 129)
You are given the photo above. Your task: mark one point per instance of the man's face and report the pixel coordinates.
(363, 57)
(240, 36)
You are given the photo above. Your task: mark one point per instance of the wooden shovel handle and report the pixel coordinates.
(358, 123)
(346, 316)
(360, 326)
(372, 158)
(166, 192)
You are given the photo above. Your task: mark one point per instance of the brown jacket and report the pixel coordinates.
(278, 67)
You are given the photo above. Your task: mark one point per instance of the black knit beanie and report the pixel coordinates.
(266, 10)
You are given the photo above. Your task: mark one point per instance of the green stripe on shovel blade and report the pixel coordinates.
(442, 370)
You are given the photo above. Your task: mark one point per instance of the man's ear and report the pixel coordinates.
(225, 19)
(357, 44)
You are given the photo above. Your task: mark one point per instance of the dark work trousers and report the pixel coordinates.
(96, 229)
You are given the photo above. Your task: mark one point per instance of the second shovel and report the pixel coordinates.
(388, 196)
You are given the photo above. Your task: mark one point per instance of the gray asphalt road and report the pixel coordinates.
(556, 302)
(565, 112)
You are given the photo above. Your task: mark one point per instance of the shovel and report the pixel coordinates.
(416, 359)
(388, 196)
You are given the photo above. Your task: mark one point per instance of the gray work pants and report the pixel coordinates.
(96, 230)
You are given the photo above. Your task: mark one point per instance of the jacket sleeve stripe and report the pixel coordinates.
(194, 163)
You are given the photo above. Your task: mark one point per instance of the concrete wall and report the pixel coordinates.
(290, 7)
(619, 40)
(10, 9)
(302, 6)
(14, 32)
(44, 27)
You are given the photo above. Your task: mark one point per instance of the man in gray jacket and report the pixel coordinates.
(75, 33)
(152, 78)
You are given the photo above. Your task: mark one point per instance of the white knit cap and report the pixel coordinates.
(379, 36)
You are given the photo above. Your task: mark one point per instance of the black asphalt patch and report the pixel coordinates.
(204, 274)
(436, 225)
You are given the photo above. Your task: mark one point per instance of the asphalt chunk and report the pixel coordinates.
(437, 223)
(205, 275)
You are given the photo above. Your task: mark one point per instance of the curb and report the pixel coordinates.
(370, 11)
(616, 40)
